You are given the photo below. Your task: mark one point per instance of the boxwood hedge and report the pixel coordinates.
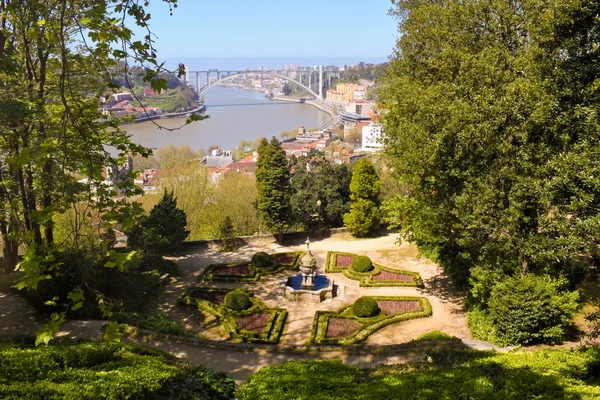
(255, 272)
(366, 279)
(226, 316)
(369, 325)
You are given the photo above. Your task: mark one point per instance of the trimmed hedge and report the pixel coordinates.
(361, 264)
(226, 316)
(262, 260)
(366, 279)
(369, 325)
(237, 300)
(254, 274)
(365, 307)
(104, 370)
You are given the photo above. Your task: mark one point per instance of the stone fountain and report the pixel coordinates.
(307, 286)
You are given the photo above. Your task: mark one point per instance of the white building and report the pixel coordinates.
(372, 137)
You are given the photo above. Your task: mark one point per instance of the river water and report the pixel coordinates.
(235, 114)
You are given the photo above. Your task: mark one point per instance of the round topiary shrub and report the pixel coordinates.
(365, 307)
(262, 260)
(362, 264)
(237, 300)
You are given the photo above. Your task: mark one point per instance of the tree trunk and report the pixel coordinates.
(47, 202)
(10, 251)
(280, 241)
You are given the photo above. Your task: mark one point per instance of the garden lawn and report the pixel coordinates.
(457, 374)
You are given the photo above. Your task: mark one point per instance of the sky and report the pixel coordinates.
(286, 30)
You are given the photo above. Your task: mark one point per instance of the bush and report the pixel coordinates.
(263, 260)
(362, 264)
(104, 370)
(365, 307)
(237, 300)
(152, 322)
(531, 309)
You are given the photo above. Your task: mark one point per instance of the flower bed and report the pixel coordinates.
(380, 276)
(342, 327)
(232, 270)
(244, 272)
(257, 324)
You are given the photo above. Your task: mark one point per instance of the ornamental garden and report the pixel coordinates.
(246, 299)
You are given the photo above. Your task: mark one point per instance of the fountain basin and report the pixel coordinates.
(292, 290)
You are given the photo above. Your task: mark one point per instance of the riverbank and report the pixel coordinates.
(198, 110)
(313, 103)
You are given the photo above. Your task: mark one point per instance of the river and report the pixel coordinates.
(235, 114)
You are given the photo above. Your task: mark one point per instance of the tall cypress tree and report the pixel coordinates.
(365, 186)
(273, 183)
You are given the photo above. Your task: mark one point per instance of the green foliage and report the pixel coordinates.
(163, 230)
(362, 264)
(226, 234)
(273, 183)
(480, 127)
(531, 309)
(434, 336)
(237, 300)
(457, 374)
(316, 179)
(364, 215)
(104, 370)
(84, 284)
(263, 260)
(365, 307)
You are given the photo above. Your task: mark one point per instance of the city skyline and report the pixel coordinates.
(348, 31)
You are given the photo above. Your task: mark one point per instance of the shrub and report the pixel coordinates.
(531, 309)
(365, 307)
(263, 260)
(104, 370)
(362, 264)
(237, 300)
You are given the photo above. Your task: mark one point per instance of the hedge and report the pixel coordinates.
(366, 278)
(104, 370)
(227, 316)
(208, 275)
(370, 325)
(458, 374)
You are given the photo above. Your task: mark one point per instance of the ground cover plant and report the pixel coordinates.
(354, 323)
(244, 317)
(153, 322)
(104, 370)
(369, 274)
(251, 271)
(452, 374)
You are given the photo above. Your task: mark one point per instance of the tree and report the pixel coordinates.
(163, 230)
(273, 184)
(55, 63)
(320, 191)
(365, 186)
(490, 119)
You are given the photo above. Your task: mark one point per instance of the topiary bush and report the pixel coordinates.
(365, 307)
(263, 260)
(362, 264)
(531, 309)
(237, 300)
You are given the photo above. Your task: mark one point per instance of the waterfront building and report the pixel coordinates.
(372, 137)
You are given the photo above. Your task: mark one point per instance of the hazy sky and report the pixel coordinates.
(274, 28)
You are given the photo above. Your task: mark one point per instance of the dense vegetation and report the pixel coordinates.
(364, 216)
(492, 126)
(103, 370)
(558, 374)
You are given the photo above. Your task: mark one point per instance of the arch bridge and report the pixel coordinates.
(299, 76)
